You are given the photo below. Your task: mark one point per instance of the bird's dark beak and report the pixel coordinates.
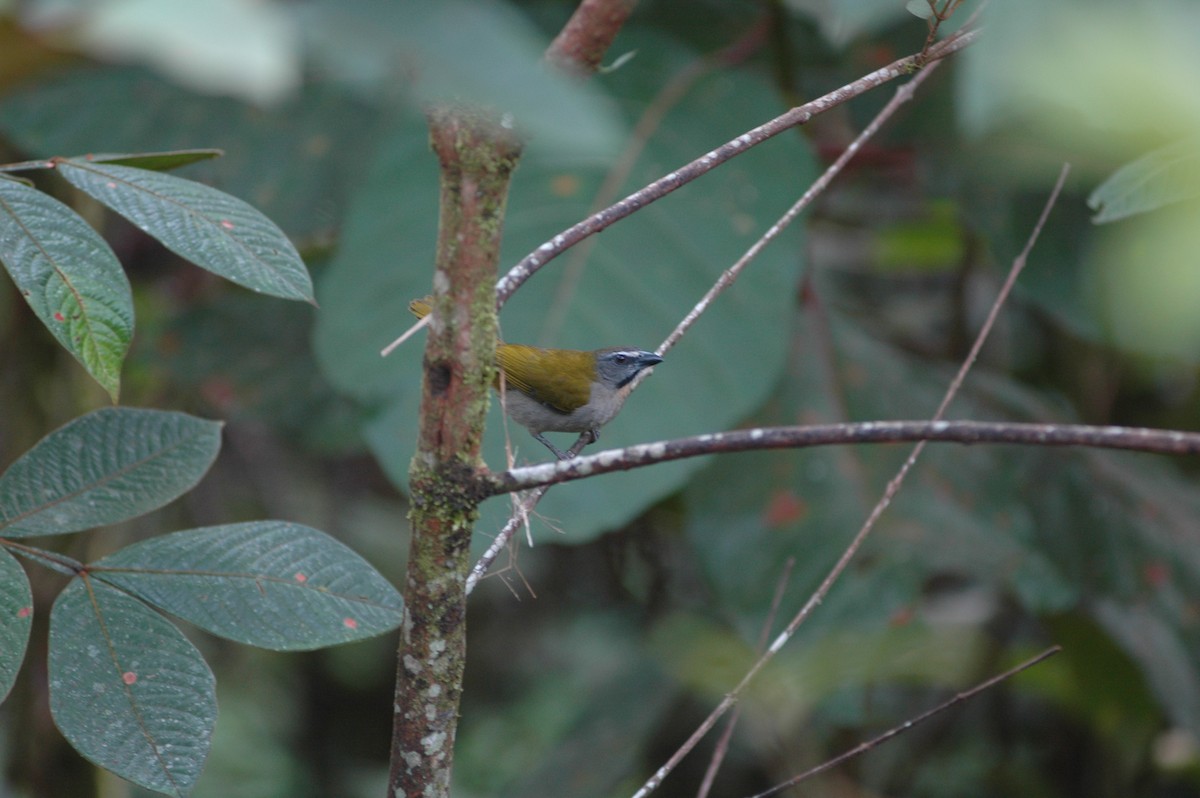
(646, 359)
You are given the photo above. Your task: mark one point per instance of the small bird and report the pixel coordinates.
(563, 390)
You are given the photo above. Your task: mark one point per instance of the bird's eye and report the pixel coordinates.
(621, 359)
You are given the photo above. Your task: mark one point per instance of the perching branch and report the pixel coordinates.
(862, 748)
(1138, 439)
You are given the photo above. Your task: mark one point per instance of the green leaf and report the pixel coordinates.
(111, 465)
(640, 277)
(1165, 176)
(485, 54)
(70, 278)
(158, 161)
(128, 690)
(919, 8)
(294, 161)
(266, 583)
(16, 618)
(212, 229)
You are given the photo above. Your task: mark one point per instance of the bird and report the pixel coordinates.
(562, 390)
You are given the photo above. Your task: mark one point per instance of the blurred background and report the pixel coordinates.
(595, 653)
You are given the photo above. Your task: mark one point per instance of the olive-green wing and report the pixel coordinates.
(561, 379)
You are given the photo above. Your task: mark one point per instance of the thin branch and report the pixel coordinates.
(1137, 439)
(902, 95)
(722, 747)
(937, 17)
(524, 506)
(863, 747)
(705, 163)
(819, 595)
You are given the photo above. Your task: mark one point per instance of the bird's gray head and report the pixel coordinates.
(616, 367)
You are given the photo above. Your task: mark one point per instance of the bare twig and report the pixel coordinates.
(902, 95)
(523, 506)
(722, 747)
(409, 333)
(705, 163)
(863, 747)
(818, 595)
(937, 17)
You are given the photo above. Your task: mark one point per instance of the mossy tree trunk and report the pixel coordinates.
(477, 158)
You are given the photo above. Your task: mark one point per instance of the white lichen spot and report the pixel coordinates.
(437, 647)
(940, 426)
(441, 281)
(434, 690)
(656, 450)
(605, 459)
(412, 664)
(433, 743)
(757, 434)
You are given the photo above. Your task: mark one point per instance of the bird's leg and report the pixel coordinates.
(559, 453)
(585, 438)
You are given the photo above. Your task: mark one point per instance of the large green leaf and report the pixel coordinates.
(70, 278)
(128, 690)
(486, 54)
(208, 227)
(111, 465)
(292, 161)
(16, 618)
(266, 583)
(641, 277)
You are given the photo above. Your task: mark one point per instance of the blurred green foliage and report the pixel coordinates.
(650, 603)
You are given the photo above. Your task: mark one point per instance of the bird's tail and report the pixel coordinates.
(421, 307)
